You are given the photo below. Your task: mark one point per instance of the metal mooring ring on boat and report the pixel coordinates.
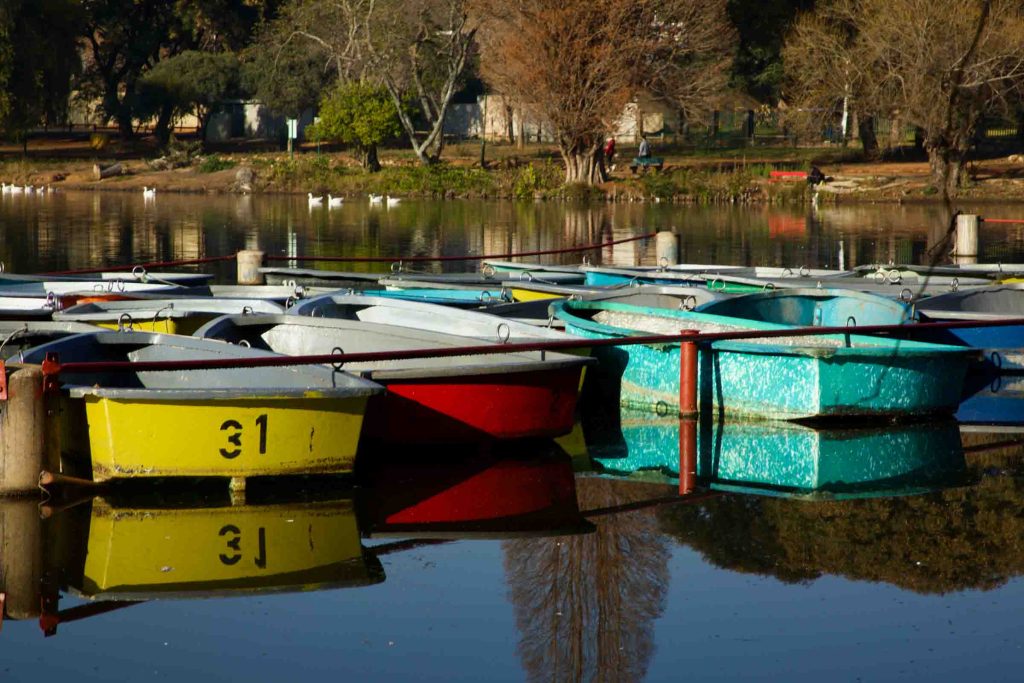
(526, 276)
(337, 350)
(804, 271)
(688, 302)
(245, 343)
(488, 270)
(299, 292)
(787, 272)
(662, 263)
(503, 338)
(246, 310)
(716, 280)
(768, 286)
(124, 323)
(906, 295)
(3, 266)
(954, 285)
(485, 297)
(894, 277)
(586, 262)
(139, 273)
(396, 267)
(851, 322)
(996, 359)
(290, 301)
(51, 300)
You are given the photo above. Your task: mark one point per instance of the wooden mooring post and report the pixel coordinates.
(23, 425)
(249, 263)
(965, 250)
(666, 248)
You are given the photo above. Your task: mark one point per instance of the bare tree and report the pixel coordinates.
(942, 64)
(418, 52)
(575, 64)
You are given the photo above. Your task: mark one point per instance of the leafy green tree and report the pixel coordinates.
(286, 78)
(361, 115)
(37, 60)
(192, 82)
(761, 26)
(124, 39)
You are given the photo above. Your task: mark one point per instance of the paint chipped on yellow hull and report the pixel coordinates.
(226, 438)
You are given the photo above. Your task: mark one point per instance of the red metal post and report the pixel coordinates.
(687, 455)
(688, 373)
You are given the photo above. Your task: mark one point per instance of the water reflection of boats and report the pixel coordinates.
(485, 496)
(142, 552)
(994, 402)
(785, 458)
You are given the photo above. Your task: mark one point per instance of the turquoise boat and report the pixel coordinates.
(461, 298)
(814, 308)
(784, 458)
(827, 376)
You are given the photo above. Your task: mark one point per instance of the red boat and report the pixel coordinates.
(429, 400)
(482, 496)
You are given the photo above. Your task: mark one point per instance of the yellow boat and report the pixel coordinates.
(238, 422)
(140, 553)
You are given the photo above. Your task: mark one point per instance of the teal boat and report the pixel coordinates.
(827, 376)
(813, 308)
(781, 458)
(461, 298)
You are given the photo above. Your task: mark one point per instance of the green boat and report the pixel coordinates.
(784, 458)
(827, 376)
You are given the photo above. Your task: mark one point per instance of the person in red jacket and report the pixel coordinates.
(609, 152)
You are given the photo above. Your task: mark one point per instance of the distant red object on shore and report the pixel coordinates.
(788, 175)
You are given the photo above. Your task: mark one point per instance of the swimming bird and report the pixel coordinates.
(393, 201)
(148, 192)
(28, 189)
(15, 189)
(314, 201)
(376, 198)
(333, 202)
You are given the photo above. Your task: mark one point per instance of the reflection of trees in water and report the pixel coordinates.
(585, 605)
(966, 538)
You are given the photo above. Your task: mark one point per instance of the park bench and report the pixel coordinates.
(644, 163)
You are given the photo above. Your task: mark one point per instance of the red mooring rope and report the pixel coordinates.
(356, 259)
(394, 259)
(1011, 221)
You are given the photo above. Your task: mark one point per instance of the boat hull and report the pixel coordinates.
(470, 408)
(782, 381)
(227, 438)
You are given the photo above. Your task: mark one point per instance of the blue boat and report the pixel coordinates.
(839, 375)
(994, 402)
(784, 458)
(814, 308)
(1003, 346)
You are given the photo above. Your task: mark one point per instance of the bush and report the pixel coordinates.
(214, 163)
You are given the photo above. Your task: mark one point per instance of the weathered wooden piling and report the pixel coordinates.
(965, 250)
(249, 263)
(23, 423)
(666, 248)
(21, 558)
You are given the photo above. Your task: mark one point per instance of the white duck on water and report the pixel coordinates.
(314, 201)
(333, 202)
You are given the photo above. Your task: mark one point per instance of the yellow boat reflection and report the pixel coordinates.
(143, 553)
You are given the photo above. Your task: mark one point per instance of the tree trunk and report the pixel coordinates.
(947, 166)
(583, 164)
(521, 139)
(368, 158)
(866, 131)
(510, 128)
(162, 131)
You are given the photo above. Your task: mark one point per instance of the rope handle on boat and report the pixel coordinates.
(125, 323)
(338, 351)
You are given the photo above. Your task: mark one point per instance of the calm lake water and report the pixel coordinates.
(572, 560)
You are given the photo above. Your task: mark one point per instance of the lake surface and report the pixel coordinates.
(573, 560)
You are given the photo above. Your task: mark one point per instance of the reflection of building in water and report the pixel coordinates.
(585, 605)
(952, 540)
